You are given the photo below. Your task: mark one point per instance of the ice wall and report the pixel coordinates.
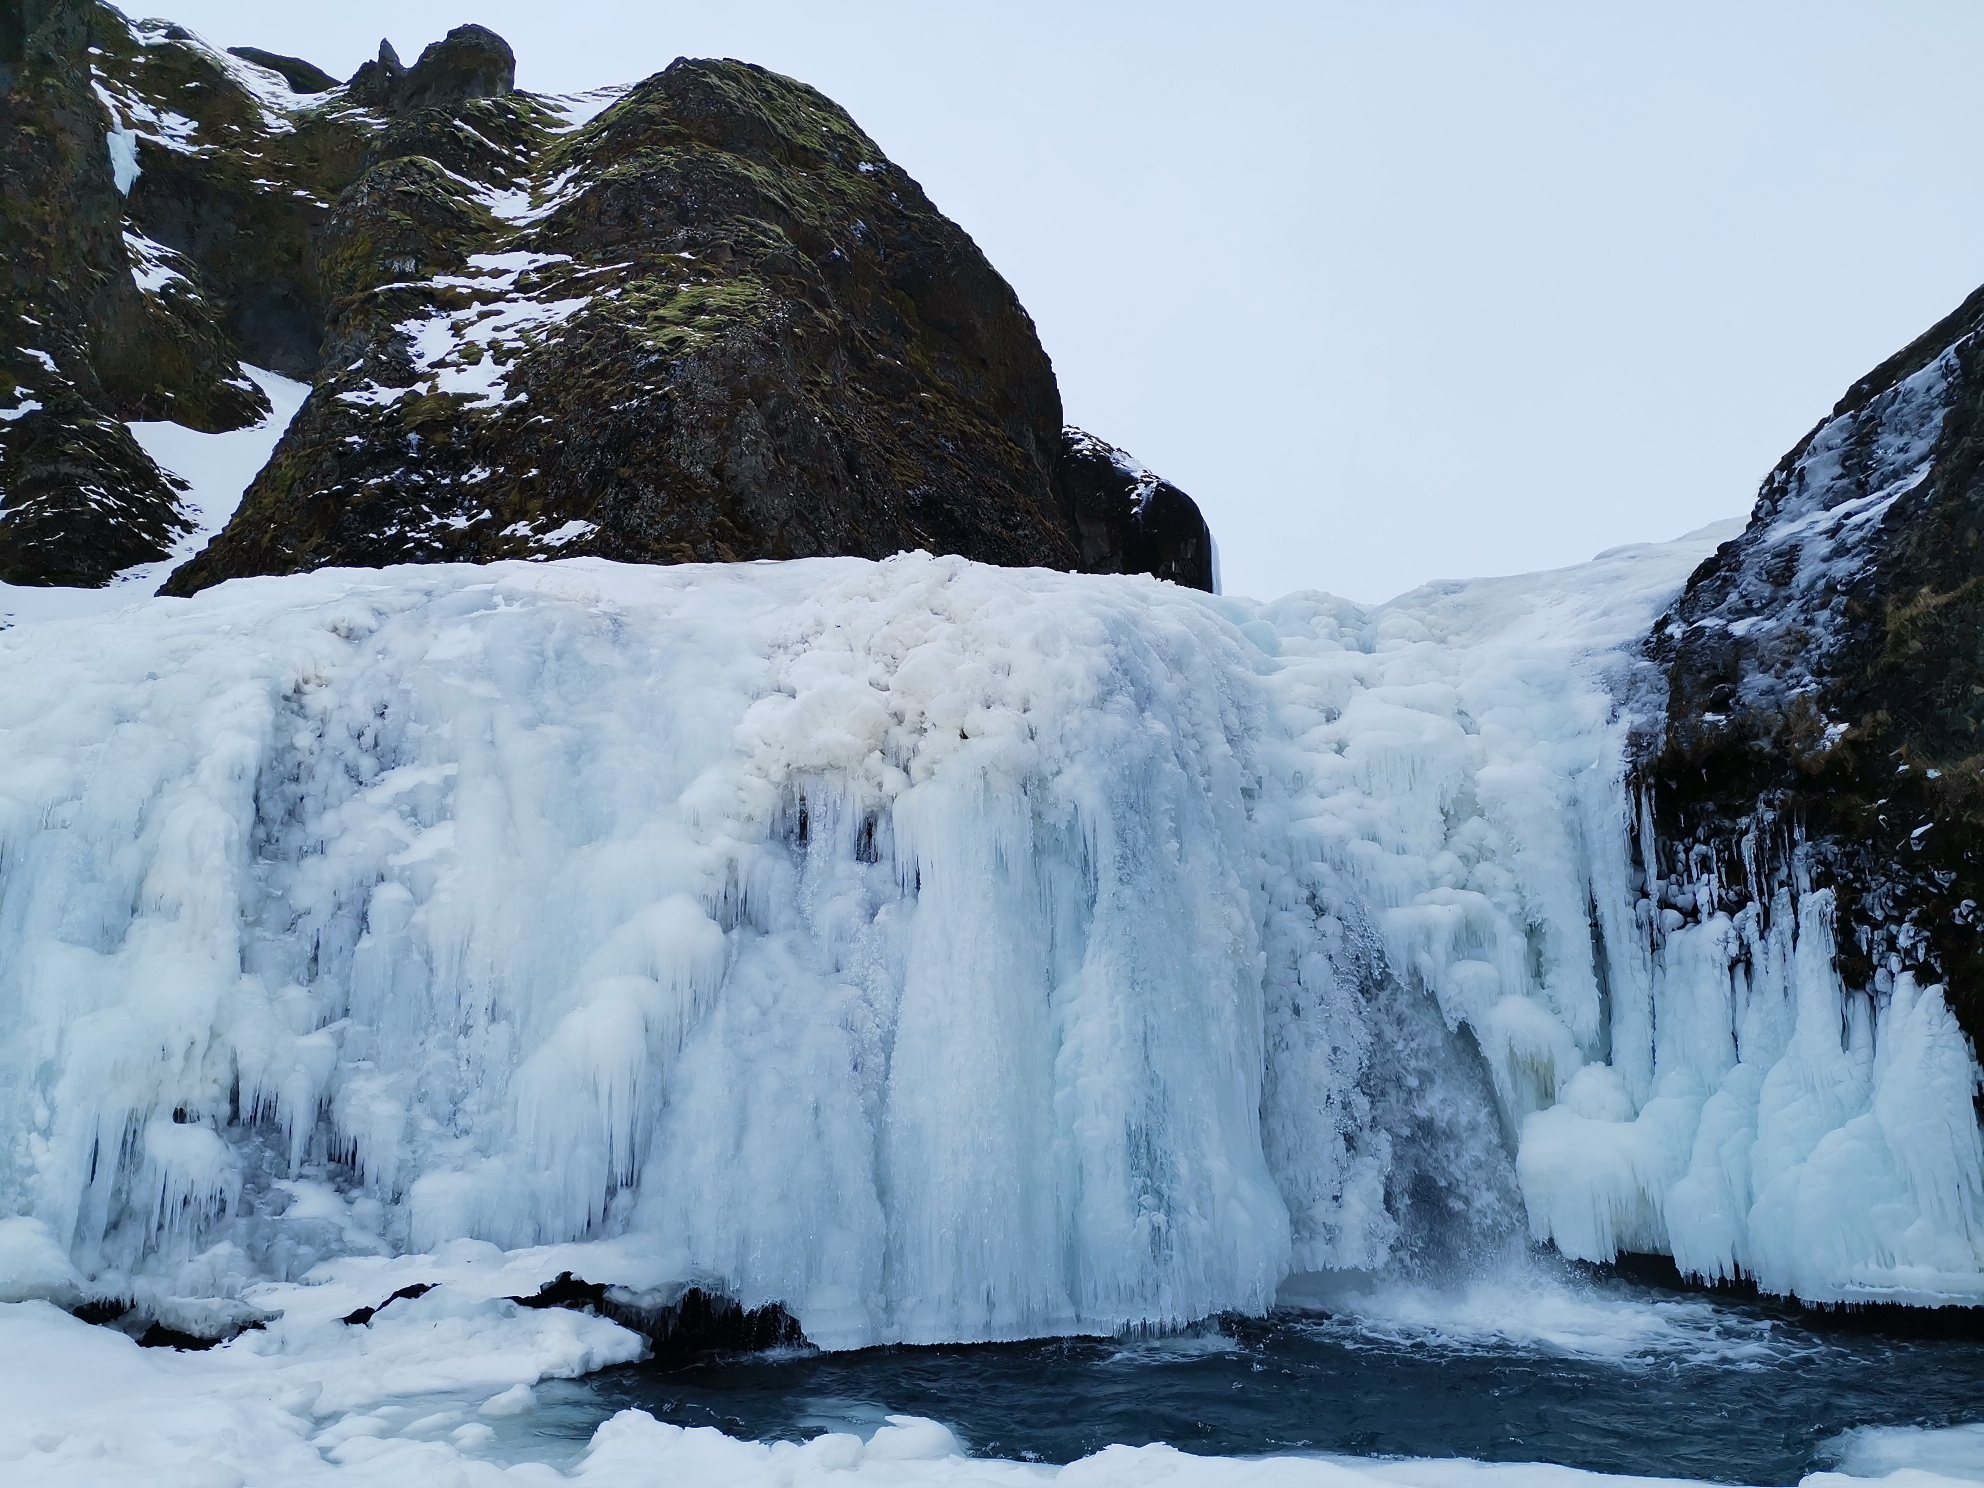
(1820, 1141)
(883, 938)
(945, 952)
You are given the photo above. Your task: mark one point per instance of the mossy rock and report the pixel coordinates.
(713, 322)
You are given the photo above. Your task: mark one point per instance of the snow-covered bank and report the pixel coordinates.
(944, 952)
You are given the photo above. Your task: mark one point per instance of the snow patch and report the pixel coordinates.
(151, 263)
(465, 354)
(569, 532)
(123, 145)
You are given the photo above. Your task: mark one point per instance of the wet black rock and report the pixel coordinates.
(1129, 520)
(680, 1327)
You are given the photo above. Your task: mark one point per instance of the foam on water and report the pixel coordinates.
(1545, 1314)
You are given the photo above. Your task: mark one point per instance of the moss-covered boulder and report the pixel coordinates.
(708, 320)
(713, 322)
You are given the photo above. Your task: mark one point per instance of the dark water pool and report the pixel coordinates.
(1605, 1376)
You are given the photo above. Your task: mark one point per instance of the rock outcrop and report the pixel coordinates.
(1130, 520)
(301, 76)
(470, 62)
(103, 324)
(1824, 719)
(702, 318)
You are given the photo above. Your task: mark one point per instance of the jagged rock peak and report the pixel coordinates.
(469, 62)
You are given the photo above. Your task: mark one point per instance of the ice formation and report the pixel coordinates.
(944, 952)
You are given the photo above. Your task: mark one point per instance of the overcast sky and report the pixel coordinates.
(1397, 291)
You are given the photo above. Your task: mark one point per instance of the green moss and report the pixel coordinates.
(674, 318)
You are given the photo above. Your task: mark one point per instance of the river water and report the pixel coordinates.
(1599, 1374)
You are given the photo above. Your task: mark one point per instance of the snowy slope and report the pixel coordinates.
(945, 952)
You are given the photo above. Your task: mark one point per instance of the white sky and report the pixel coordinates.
(1397, 291)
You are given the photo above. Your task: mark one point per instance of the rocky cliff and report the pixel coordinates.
(702, 318)
(1824, 674)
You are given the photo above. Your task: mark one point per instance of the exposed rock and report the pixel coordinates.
(713, 322)
(679, 1325)
(302, 77)
(1825, 673)
(377, 84)
(101, 325)
(470, 62)
(1130, 520)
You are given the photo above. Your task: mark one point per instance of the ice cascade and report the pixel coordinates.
(943, 952)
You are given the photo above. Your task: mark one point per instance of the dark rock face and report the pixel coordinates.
(302, 77)
(1825, 672)
(102, 325)
(1129, 520)
(377, 84)
(713, 322)
(470, 62)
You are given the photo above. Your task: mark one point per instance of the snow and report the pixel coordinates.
(123, 144)
(134, 118)
(216, 470)
(522, 206)
(465, 354)
(579, 109)
(151, 263)
(558, 536)
(944, 952)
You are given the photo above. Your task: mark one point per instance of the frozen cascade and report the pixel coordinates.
(944, 952)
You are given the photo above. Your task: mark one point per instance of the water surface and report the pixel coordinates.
(1600, 1375)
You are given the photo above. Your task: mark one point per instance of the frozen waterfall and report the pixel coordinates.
(944, 952)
